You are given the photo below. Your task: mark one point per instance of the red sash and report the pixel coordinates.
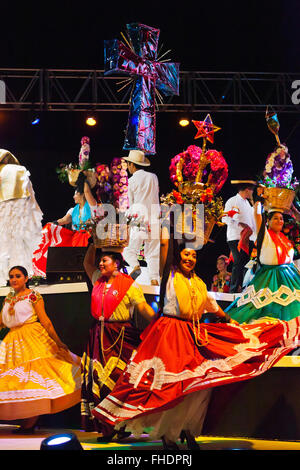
(282, 242)
(104, 304)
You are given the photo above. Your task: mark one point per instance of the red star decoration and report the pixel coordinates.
(206, 129)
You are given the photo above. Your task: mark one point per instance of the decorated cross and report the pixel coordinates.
(138, 58)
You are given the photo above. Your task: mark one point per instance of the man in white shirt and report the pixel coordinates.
(143, 195)
(241, 231)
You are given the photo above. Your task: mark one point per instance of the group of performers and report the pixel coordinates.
(160, 381)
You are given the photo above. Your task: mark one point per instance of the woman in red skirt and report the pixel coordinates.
(166, 385)
(113, 336)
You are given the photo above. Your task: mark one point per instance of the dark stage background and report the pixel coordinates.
(223, 36)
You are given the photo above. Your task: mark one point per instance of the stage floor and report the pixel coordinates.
(9, 441)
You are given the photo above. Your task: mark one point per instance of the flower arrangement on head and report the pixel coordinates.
(277, 182)
(69, 172)
(112, 188)
(279, 169)
(198, 175)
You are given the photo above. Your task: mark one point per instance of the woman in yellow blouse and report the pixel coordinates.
(38, 374)
(112, 336)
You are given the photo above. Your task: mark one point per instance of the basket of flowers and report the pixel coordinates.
(70, 172)
(277, 185)
(198, 175)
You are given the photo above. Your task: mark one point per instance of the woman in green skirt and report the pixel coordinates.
(274, 291)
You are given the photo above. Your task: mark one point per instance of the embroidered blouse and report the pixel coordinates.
(18, 310)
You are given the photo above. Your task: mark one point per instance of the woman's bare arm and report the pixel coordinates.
(89, 261)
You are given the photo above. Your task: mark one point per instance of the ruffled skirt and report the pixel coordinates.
(108, 351)
(20, 235)
(161, 387)
(273, 292)
(36, 377)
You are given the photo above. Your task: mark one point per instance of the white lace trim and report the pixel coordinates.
(206, 373)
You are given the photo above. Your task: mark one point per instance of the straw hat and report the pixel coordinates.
(9, 157)
(138, 157)
(254, 183)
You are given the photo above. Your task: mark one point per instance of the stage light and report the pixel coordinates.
(35, 121)
(184, 122)
(66, 441)
(91, 121)
(155, 306)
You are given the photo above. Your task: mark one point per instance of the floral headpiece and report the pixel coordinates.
(277, 182)
(198, 175)
(69, 172)
(191, 165)
(278, 170)
(84, 153)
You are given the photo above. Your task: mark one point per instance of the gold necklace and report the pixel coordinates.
(195, 316)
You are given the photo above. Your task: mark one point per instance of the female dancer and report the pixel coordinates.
(56, 234)
(38, 374)
(113, 336)
(275, 289)
(221, 281)
(165, 386)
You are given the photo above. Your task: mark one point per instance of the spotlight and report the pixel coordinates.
(35, 121)
(91, 121)
(155, 306)
(184, 122)
(67, 441)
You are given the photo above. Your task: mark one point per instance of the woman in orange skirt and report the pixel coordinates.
(38, 373)
(166, 385)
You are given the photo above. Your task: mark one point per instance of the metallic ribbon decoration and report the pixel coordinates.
(139, 60)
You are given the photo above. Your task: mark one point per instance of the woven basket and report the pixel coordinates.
(187, 231)
(116, 237)
(208, 229)
(73, 174)
(279, 199)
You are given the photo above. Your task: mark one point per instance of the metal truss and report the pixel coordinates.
(87, 90)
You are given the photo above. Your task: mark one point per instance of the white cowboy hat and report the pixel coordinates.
(138, 157)
(10, 158)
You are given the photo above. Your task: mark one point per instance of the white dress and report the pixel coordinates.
(20, 226)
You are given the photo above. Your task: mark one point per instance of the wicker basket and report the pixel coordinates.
(73, 174)
(116, 237)
(187, 231)
(279, 199)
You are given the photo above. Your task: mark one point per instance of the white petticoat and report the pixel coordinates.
(188, 415)
(20, 234)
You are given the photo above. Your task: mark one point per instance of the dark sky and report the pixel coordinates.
(259, 36)
(220, 35)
